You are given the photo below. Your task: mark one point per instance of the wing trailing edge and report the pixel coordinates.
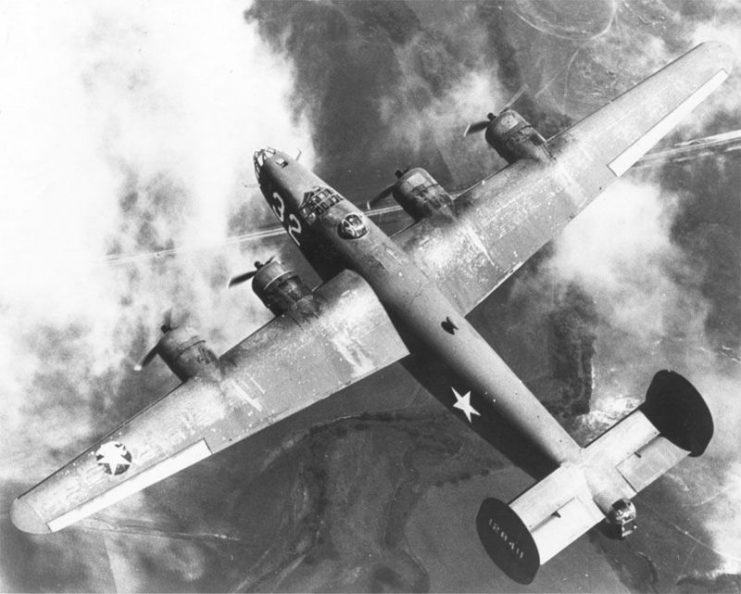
(272, 374)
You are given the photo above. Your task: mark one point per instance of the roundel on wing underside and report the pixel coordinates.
(352, 227)
(113, 457)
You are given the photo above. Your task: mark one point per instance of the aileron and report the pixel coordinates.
(203, 416)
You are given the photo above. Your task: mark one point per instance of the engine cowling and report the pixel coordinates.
(514, 138)
(279, 288)
(419, 194)
(187, 355)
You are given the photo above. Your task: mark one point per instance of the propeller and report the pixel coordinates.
(386, 191)
(239, 279)
(478, 126)
(165, 327)
(483, 124)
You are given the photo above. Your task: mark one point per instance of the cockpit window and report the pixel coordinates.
(281, 161)
(317, 202)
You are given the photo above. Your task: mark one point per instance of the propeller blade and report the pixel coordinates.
(236, 280)
(380, 196)
(477, 127)
(515, 97)
(165, 327)
(387, 190)
(147, 358)
(167, 321)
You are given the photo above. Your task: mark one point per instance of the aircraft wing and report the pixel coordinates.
(502, 221)
(290, 363)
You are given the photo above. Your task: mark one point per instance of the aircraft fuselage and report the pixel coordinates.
(321, 221)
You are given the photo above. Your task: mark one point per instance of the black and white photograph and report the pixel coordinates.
(370, 296)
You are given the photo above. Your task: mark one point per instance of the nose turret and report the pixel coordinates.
(259, 159)
(268, 159)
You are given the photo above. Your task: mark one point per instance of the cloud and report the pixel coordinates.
(126, 127)
(652, 310)
(724, 27)
(621, 252)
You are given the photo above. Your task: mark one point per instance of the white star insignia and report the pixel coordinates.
(113, 457)
(464, 403)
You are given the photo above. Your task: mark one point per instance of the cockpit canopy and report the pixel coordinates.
(316, 202)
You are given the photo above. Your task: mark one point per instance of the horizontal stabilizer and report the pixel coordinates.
(672, 423)
(538, 524)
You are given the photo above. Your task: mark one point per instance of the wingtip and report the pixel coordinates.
(722, 54)
(25, 518)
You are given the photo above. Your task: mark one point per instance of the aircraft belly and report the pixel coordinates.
(424, 314)
(483, 372)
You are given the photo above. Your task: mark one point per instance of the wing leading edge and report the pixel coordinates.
(295, 360)
(502, 221)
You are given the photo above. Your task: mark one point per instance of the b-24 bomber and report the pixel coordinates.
(405, 298)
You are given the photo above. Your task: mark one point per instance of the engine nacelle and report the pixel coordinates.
(419, 194)
(279, 288)
(187, 355)
(514, 138)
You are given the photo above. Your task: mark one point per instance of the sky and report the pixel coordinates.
(130, 127)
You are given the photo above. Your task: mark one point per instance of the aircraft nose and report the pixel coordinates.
(259, 159)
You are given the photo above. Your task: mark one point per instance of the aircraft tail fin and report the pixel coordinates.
(678, 411)
(508, 540)
(545, 519)
(672, 423)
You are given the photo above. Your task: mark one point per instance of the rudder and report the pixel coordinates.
(507, 540)
(678, 411)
